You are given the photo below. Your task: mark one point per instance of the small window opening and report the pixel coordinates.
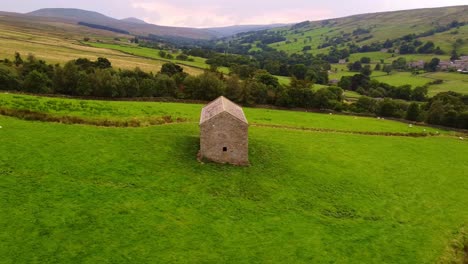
(225, 149)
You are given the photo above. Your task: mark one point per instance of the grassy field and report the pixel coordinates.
(154, 54)
(377, 56)
(387, 25)
(75, 193)
(451, 81)
(61, 42)
(109, 110)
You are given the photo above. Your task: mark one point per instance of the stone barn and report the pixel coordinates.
(224, 133)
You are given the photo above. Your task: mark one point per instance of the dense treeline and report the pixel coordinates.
(447, 109)
(83, 77)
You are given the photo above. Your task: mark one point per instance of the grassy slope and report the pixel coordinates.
(154, 54)
(73, 193)
(388, 25)
(59, 42)
(190, 112)
(452, 81)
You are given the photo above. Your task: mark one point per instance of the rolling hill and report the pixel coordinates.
(233, 30)
(427, 24)
(134, 20)
(137, 26)
(94, 18)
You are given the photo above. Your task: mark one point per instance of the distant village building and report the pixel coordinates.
(417, 64)
(460, 65)
(333, 82)
(224, 133)
(342, 61)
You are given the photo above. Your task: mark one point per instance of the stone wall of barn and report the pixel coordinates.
(224, 139)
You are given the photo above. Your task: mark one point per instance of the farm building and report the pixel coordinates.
(224, 133)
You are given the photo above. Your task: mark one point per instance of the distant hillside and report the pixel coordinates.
(233, 30)
(133, 20)
(445, 27)
(139, 27)
(144, 29)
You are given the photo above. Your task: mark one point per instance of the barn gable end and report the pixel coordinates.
(224, 133)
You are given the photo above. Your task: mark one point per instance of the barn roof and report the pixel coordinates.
(221, 105)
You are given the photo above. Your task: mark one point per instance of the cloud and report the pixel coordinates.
(169, 14)
(215, 15)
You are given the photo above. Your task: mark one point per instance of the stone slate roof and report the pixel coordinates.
(221, 105)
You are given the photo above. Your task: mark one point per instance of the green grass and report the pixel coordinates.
(388, 25)
(73, 193)
(452, 81)
(377, 56)
(154, 54)
(401, 78)
(61, 42)
(455, 82)
(128, 110)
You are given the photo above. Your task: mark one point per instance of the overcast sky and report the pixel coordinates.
(210, 13)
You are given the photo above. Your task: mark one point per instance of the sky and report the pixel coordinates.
(216, 13)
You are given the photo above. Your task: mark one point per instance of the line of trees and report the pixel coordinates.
(83, 77)
(447, 109)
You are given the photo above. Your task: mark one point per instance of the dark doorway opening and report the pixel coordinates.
(225, 149)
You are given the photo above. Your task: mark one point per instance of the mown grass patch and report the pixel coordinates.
(89, 194)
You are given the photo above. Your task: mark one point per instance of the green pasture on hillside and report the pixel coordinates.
(84, 194)
(154, 54)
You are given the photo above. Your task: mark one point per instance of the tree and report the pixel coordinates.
(378, 67)
(355, 67)
(366, 104)
(66, 81)
(365, 60)
(129, 87)
(105, 83)
(37, 82)
(402, 92)
(432, 65)
(165, 86)
(103, 63)
(462, 121)
(399, 63)
(427, 48)
(414, 112)
(454, 55)
(435, 113)
(366, 70)
(326, 98)
(204, 87)
(299, 71)
(233, 88)
(8, 81)
(18, 60)
(171, 69)
(182, 57)
(419, 93)
(147, 87)
(387, 68)
(388, 108)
